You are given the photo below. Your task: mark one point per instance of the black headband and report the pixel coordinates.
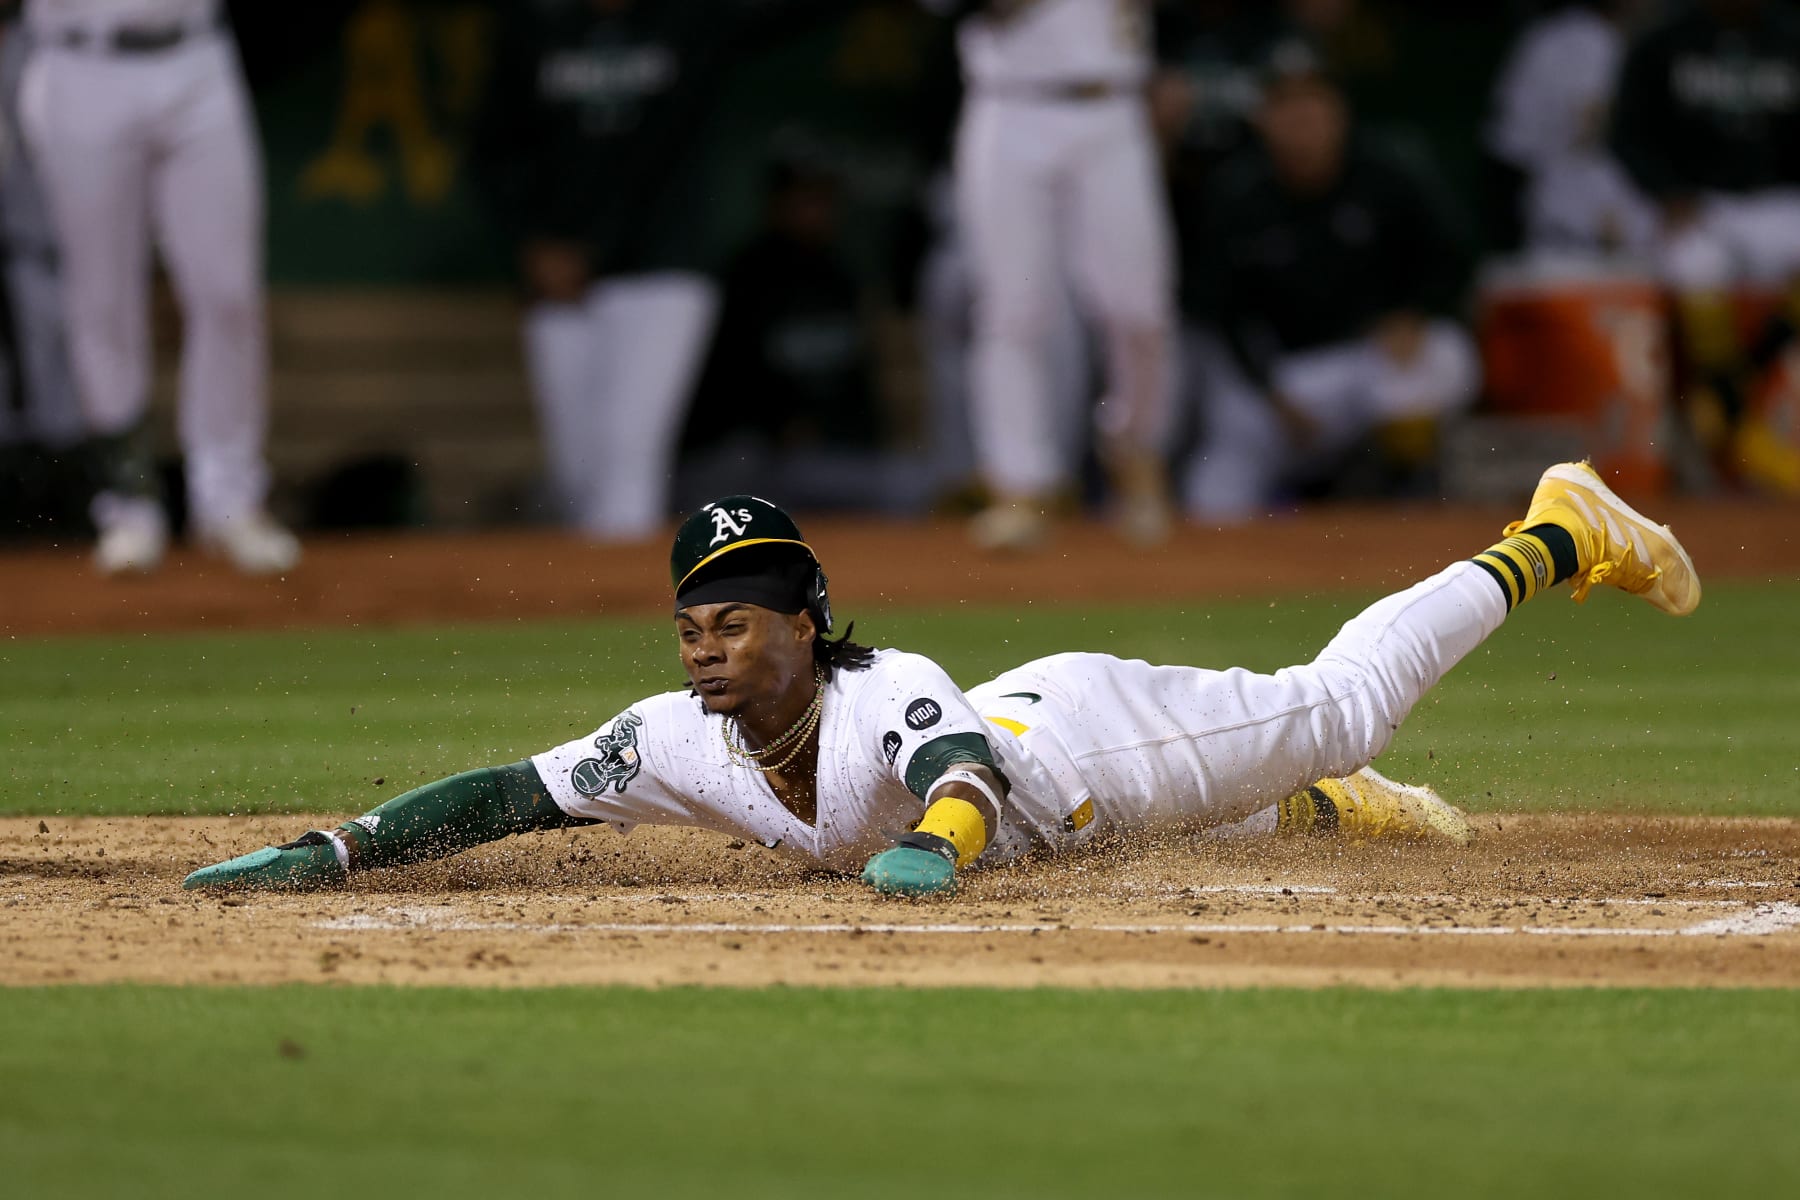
(782, 586)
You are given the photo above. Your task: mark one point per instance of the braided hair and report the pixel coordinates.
(842, 653)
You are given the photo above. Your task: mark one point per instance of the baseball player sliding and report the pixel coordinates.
(140, 128)
(1056, 163)
(875, 759)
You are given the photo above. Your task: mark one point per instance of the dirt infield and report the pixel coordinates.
(381, 580)
(1566, 900)
(1537, 901)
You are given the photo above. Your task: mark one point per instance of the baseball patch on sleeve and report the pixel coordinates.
(923, 713)
(919, 722)
(617, 763)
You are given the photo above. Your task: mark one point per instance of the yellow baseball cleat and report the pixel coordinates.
(1614, 543)
(1370, 805)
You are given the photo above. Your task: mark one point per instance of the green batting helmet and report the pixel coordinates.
(745, 548)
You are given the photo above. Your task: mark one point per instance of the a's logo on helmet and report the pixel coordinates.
(890, 745)
(729, 523)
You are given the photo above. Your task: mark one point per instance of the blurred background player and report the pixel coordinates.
(587, 147)
(1331, 271)
(946, 307)
(943, 298)
(1708, 123)
(1203, 100)
(47, 412)
(1056, 171)
(1555, 185)
(140, 128)
(788, 403)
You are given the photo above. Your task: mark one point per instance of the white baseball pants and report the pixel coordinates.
(945, 305)
(135, 147)
(1157, 745)
(612, 376)
(1348, 389)
(1048, 190)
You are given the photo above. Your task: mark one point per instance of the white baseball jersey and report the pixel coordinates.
(885, 735)
(1550, 115)
(1087, 742)
(1024, 43)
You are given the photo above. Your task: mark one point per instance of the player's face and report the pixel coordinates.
(746, 661)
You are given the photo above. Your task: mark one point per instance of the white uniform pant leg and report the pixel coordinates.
(561, 361)
(1441, 381)
(1753, 238)
(944, 305)
(655, 328)
(1155, 745)
(1069, 373)
(1768, 225)
(1007, 208)
(87, 119)
(1347, 388)
(1244, 450)
(207, 206)
(1121, 249)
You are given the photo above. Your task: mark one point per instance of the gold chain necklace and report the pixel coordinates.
(775, 747)
(800, 745)
(798, 734)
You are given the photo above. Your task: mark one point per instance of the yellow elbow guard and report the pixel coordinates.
(959, 823)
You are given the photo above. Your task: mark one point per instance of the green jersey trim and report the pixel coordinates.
(930, 761)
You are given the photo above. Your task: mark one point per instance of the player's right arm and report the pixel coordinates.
(595, 779)
(935, 745)
(961, 817)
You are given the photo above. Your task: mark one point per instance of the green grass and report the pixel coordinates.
(148, 1092)
(1607, 706)
(783, 1092)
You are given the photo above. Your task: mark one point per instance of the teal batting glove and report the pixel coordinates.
(923, 864)
(302, 865)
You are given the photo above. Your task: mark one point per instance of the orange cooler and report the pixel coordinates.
(1587, 345)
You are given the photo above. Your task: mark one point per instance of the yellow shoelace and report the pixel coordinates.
(1583, 584)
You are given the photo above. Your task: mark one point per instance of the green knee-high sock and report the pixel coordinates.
(451, 815)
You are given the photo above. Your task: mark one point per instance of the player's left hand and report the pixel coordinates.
(910, 871)
(301, 865)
